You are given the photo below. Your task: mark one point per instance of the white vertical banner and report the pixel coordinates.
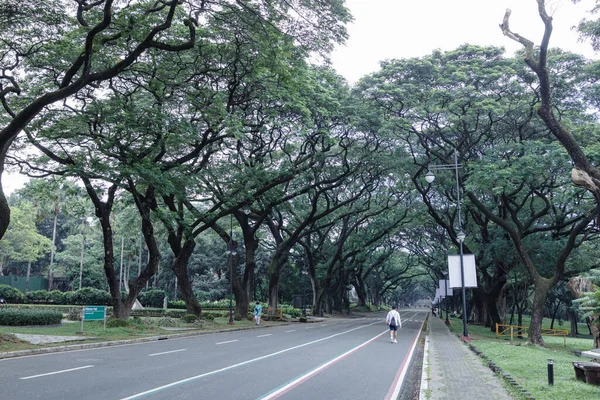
(469, 269)
(439, 293)
(445, 287)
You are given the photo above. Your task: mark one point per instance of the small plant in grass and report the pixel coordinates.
(207, 316)
(167, 322)
(189, 318)
(117, 323)
(198, 323)
(8, 338)
(74, 314)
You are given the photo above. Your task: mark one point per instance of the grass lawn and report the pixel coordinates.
(94, 331)
(528, 365)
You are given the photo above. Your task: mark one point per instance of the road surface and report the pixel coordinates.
(339, 358)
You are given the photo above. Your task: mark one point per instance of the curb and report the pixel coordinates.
(85, 346)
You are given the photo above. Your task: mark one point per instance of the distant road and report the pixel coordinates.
(334, 359)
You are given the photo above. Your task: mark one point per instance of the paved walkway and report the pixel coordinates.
(452, 371)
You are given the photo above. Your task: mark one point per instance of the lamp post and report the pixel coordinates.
(460, 236)
(231, 252)
(446, 297)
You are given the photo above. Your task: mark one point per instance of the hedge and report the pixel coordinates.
(16, 317)
(11, 295)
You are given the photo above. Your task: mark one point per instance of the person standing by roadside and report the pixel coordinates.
(257, 312)
(393, 321)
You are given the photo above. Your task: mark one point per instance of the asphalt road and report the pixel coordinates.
(333, 359)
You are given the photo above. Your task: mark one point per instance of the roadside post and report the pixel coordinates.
(93, 313)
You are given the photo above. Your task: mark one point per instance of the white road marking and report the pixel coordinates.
(282, 390)
(270, 334)
(166, 352)
(229, 341)
(57, 372)
(193, 378)
(293, 330)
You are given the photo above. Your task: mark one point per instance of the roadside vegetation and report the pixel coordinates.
(528, 364)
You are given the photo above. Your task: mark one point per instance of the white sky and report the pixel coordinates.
(387, 29)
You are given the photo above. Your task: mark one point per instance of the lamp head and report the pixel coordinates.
(460, 236)
(429, 177)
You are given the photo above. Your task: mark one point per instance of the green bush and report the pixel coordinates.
(58, 297)
(189, 318)
(207, 316)
(175, 313)
(117, 323)
(179, 304)
(89, 297)
(12, 295)
(38, 296)
(152, 298)
(17, 317)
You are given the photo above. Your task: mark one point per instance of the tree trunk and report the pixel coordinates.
(28, 275)
(185, 286)
(542, 286)
(274, 289)
(53, 248)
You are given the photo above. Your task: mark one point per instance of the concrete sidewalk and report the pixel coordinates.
(452, 371)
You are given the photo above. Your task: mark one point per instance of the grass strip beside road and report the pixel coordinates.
(528, 364)
(93, 332)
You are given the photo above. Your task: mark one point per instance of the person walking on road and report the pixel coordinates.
(393, 321)
(257, 312)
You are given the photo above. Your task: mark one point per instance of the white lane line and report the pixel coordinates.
(229, 341)
(293, 330)
(193, 378)
(394, 391)
(57, 372)
(270, 334)
(286, 388)
(166, 352)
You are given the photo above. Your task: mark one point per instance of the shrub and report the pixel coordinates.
(175, 313)
(179, 304)
(16, 317)
(58, 297)
(189, 318)
(90, 296)
(207, 316)
(12, 295)
(117, 323)
(74, 314)
(152, 298)
(38, 296)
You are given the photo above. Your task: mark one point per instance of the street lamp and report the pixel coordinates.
(231, 252)
(460, 236)
(446, 276)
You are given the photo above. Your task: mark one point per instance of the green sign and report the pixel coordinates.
(94, 313)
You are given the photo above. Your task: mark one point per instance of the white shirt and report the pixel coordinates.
(396, 315)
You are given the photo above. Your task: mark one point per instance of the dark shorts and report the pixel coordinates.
(393, 328)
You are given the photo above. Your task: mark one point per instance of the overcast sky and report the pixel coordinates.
(386, 29)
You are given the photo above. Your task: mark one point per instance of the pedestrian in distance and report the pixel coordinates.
(393, 321)
(257, 312)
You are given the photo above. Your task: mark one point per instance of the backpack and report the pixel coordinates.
(393, 322)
